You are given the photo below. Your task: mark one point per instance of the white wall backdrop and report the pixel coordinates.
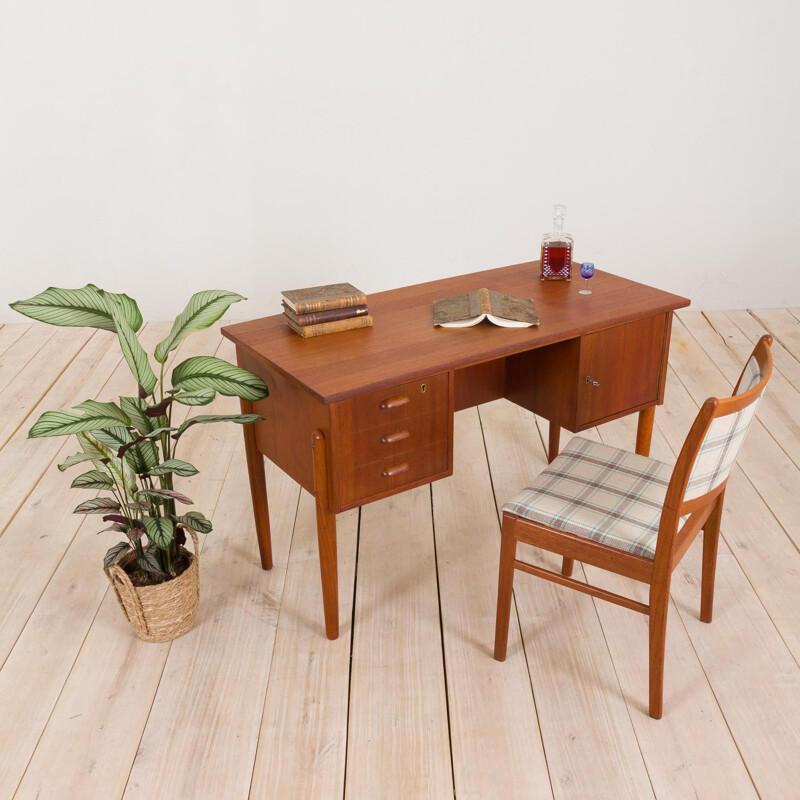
(159, 148)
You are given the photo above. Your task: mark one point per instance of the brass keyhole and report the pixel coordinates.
(423, 387)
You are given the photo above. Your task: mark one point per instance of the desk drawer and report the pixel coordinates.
(397, 437)
(389, 406)
(386, 475)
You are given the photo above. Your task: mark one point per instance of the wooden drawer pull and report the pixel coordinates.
(394, 402)
(390, 472)
(391, 438)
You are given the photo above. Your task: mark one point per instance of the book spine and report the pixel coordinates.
(331, 315)
(308, 331)
(312, 306)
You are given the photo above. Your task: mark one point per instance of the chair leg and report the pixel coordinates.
(710, 547)
(508, 549)
(659, 605)
(566, 566)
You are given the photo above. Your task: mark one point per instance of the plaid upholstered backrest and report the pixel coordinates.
(719, 450)
(726, 434)
(750, 377)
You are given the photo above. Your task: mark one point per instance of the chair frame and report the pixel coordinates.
(704, 513)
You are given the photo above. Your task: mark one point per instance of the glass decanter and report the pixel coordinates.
(556, 259)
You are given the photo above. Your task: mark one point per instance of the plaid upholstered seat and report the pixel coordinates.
(601, 493)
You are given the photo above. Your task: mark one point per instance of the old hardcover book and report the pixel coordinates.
(463, 310)
(323, 298)
(325, 316)
(307, 331)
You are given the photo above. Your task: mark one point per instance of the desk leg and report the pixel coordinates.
(326, 537)
(553, 441)
(258, 488)
(644, 430)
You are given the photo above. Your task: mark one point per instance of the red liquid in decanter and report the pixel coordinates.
(556, 260)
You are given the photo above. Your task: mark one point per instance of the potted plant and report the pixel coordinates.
(132, 449)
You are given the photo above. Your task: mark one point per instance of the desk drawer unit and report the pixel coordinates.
(392, 439)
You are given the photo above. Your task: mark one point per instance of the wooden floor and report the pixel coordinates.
(408, 703)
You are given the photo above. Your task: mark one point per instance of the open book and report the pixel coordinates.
(463, 310)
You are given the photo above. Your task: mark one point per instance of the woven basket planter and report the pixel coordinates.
(162, 612)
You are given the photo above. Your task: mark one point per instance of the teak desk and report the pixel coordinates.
(357, 416)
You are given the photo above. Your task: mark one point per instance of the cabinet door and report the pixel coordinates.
(620, 369)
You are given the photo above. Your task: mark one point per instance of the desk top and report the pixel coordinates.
(403, 343)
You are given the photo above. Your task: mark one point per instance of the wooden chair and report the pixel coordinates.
(634, 515)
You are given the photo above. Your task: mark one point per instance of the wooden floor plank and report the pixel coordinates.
(35, 541)
(23, 460)
(10, 333)
(730, 348)
(753, 675)
(786, 362)
(302, 746)
(772, 472)
(34, 380)
(20, 348)
(34, 672)
(492, 718)
(397, 736)
(588, 736)
(215, 679)
(783, 325)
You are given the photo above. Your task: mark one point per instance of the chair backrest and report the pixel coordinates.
(717, 435)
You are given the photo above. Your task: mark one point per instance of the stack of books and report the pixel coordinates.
(318, 310)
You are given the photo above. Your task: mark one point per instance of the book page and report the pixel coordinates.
(507, 323)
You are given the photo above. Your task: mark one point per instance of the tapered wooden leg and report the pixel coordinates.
(553, 441)
(326, 537)
(505, 583)
(566, 566)
(710, 546)
(659, 605)
(258, 488)
(644, 430)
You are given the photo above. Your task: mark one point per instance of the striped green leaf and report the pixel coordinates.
(93, 479)
(131, 349)
(79, 308)
(203, 419)
(201, 397)
(115, 553)
(196, 521)
(106, 461)
(202, 310)
(174, 466)
(97, 505)
(109, 410)
(62, 423)
(164, 495)
(134, 407)
(78, 458)
(140, 457)
(148, 562)
(160, 530)
(208, 372)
